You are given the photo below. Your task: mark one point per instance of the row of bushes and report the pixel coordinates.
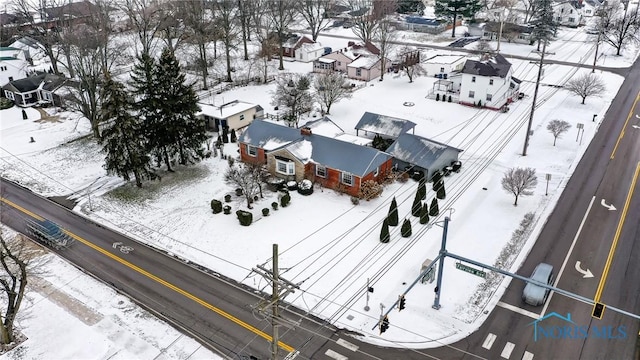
(246, 217)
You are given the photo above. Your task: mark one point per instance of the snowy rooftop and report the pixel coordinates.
(444, 59)
(226, 110)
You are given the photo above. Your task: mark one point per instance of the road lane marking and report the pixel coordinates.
(506, 352)
(334, 355)
(566, 258)
(518, 310)
(348, 345)
(163, 282)
(488, 341)
(10, 203)
(527, 356)
(623, 216)
(631, 112)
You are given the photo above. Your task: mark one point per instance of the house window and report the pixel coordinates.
(441, 69)
(571, 19)
(358, 72)
(490, 81)
(570, 11)
(473, 79)
(559, 18)
(241, 116)
(26, 96)
(561, 11)
(285, 167)
(46, 95)
(9, 95)
(321, 171)
(252, 150)
(472, 94)
(3, 68)
(489, 96)
(588, 11)
(339, 63)
(347, 179)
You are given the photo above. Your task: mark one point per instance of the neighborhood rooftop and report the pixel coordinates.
(496, 65)
(225, 110)
(384, 125)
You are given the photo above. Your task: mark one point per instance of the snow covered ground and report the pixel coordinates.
(324, 239)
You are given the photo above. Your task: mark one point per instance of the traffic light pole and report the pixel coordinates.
(441, 256)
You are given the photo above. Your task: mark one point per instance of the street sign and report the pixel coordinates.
(470, 270)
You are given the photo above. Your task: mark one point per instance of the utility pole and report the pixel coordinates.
(595, 57)
(280, 288)
(535, 96)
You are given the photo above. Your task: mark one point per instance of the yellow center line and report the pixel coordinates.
(631, 112)
(607, 265)
(160, 281)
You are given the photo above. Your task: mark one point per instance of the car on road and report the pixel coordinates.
(536, 295)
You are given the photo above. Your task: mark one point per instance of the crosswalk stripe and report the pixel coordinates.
(527, 356)
(488, 341)
(334, 355)
(347, 344)
(506, 352)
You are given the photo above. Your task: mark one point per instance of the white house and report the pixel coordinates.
(567, 13)
(232, 115)
(13, 64)
(28, 45)
(309, 52)
(443, 64)
(487, 81)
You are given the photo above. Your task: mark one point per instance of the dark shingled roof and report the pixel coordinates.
(496, 65)
(384, 125)
(50, 82)
(417, 150)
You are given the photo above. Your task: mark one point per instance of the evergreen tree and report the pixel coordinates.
(440, 192)
(435, 178)
(405, 230)
(179, 106)
(234, 137)
(455, 8)
(417, 205)
(384, 233)
(544, 24)
(123, 138)
(433, 209)
(393, 213)
(422, 189)
(424, 214)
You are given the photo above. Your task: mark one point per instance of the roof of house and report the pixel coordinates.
(494, 26)
(8, 58)
(225, 110)
(364, 62)
(422, 21)
(25, 41)
(336, 154)
(45, 81)
(384, 125)
(311, 46)
(268, 135)
(73, 9)
(495, 65)
(8, 48)
(324, 127)
(417, 150)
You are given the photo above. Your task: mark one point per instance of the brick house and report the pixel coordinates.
(297, 154)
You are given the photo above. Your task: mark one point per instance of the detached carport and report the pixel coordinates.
(422, 154)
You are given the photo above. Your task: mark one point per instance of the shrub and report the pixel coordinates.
(5, 103)
(245, 217)
(479, 103)
(216, 206)
(274, 205)
(437, 97)
(456, 165)
(424, 214)
(226, 209)
(355, 200)
(393, 213)
(285, 200)
(239, 192)
(405, 231)
(440, 193)
(449, 99)
(435, 178)
(369, 190)
(265, 212)
(434, 210)
(416, 206)
(422, 189)
(384, 232)
(227, 198)
(234, 138)
(292, 185)
(305, 187)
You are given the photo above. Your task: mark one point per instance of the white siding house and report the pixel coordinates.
(443, 64)
(567, 13)
(488, 82)
(232, 115)
(309, 52)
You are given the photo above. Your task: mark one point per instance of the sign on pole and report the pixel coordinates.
(470, 270)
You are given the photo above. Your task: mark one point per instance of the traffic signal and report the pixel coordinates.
(384, 325)
(401, 305)
(598, 310)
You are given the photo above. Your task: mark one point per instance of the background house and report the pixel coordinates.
(420, 24)
(292, 43)
(13, 65)
(567, 13)
(366, 68)
(443, 64)
(309, 52)
(515, 33)
(341, 58)
(40, 89)
(419, 153)
(385, 126)
(235, 114)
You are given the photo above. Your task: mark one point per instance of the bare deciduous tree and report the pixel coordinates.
(292, 93)
(409, 62)
(367, 20)
(618, 25)
(331, 88)
(144, 16)
(19, 260)
(520, 181)
(385, 34)
(226, 13)
(171, 23)
(557, 128)
(312, 12)
(483, 46)
(262, 29)
(199, 33)
(585, 85)
(242, 177)
(280, 14)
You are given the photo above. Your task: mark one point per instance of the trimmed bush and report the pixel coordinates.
(449, 99)
(416, 206)
(226, 209)
(227, 198)
(424, 214)
(384, 232)
(285, 200)
(440, 193)
(437, 97)
(455, 166)
(234, 138)
(434, 210)
(239, 192)
(216, 206)
(245, 217)
(393, 213)
(274, 205)
(435, 178)
(405, 230)
(5, 103)
(305, 187)
(265, 212)
(422, 189)
(355, 200)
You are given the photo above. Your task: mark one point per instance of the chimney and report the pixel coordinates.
(306, 131)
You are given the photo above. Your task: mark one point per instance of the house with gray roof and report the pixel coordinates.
(487, 82)
(385, 126)
(422, 154)
(39, 89)
(297, 154)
